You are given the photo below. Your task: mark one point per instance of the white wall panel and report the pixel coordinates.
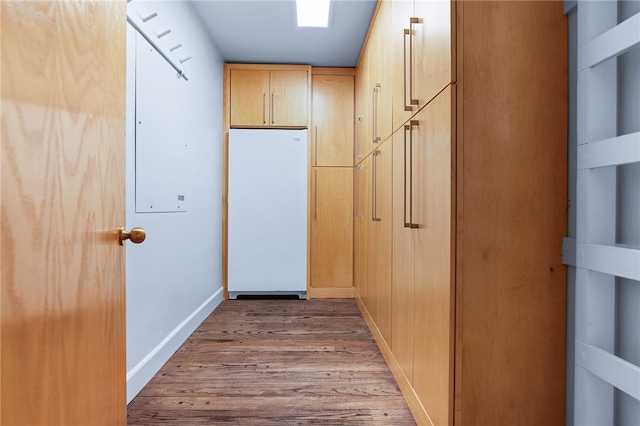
(174, 279)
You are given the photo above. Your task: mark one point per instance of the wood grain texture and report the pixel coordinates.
(289, 97)
(380, 72)
(403, 260)
(330, 293)
(268, 95)
(363, 131)
(380, 241)
(362, 215)
(401, 10)
(63, 183)
(331, 132)
(331, 221)
(432, 48)
(512, 282)
(270, 362)
(250, 97)
(434, 282)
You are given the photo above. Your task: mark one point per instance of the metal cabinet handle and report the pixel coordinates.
(315, 147)
(264, 108)
(357, 215)
(273, 113)
(358, 121)
(315, 194)
(374, 201)
(409, 32)
(374, 120)
(409, 128)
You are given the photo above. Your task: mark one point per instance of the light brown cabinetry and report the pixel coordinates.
(380, 79)
(422, 45)
(379, 231)
(363, 132)
(332, 227)
(263, 97)
(374, 86)
(477, 318)
(422, 294)
(373, 236)
(332, 119)
(331, 210)
(362, 216)
(431, 198)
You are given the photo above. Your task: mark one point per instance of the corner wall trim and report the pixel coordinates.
(144, 371)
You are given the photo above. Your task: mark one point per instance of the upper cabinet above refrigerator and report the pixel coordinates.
(266, 96)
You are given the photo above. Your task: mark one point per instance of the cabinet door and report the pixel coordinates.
(332, 227)
(364, 134)
(402, 66)
(288, 101)
(332, 111)
(362, 214)
(380, 80)
(434, 285)
(402, 254)
(432, 54)
(249, 97)
(380, 245)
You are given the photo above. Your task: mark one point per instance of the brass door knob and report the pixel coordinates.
(136, 235)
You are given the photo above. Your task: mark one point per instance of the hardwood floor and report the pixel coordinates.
(275, 362)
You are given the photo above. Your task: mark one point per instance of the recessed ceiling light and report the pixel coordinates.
(313, 13)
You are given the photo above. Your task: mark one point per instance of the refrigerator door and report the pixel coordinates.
(267, 212)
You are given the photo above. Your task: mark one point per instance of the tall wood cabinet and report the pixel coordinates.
(331, 224)
(475, 333)
(372, 235)
(331, 218)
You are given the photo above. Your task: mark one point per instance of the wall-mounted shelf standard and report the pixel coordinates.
(156, 32)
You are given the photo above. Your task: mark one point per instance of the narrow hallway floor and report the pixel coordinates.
(275, 362)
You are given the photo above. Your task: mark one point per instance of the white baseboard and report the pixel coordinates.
(144, 371)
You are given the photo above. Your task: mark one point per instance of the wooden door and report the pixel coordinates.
(364, 134)
(511, 282)
(332, 110)
(63, 183)
(432, 49)
(402, 255)
(250, 97)
(380, 268)
(434, 282)
(289, 98)
(380, 79)
(332, 227)
(362, 213)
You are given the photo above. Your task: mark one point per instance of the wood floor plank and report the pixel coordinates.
(275, 362)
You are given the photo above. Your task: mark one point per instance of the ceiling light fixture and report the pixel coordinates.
(313, 13)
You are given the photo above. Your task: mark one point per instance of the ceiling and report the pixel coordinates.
(265, 31)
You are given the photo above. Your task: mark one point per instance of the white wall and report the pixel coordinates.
(627, 409)
(174, 278)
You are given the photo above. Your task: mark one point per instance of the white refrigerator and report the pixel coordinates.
(267, 212)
